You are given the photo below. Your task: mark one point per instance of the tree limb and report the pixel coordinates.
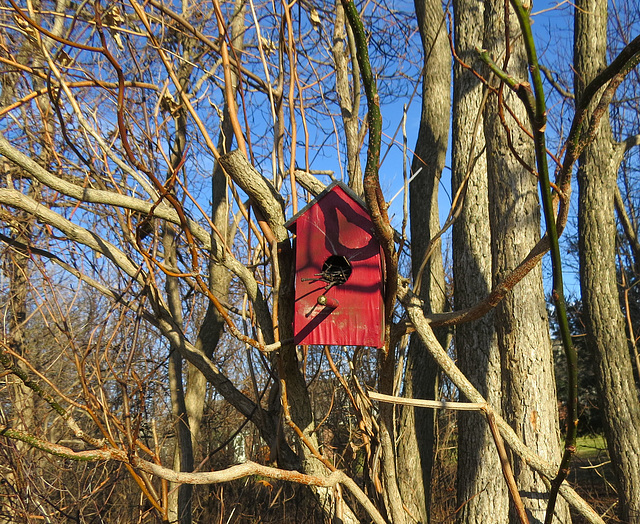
(629, 231)
(413, 308)
(261, 192)
(197, 478)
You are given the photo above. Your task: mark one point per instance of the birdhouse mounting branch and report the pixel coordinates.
(259, 189)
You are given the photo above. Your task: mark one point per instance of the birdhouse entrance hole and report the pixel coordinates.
(336, 270)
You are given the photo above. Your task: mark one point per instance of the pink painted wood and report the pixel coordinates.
(334, 241)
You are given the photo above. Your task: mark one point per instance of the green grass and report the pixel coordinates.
(591, 446)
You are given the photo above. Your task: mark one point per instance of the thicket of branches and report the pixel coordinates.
(151, 153)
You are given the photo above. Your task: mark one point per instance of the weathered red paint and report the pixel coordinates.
(352, 313)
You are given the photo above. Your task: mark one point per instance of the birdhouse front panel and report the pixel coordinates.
(339, 273)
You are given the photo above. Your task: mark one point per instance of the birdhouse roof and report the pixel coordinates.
(325, 192)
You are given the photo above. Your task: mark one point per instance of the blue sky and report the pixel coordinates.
(553, 31)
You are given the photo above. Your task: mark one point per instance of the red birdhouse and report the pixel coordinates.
(339, 295)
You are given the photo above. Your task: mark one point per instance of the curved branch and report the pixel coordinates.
(44, 90)
(497, 293)
(259, 189)
(172, 332)
(162, 320)
(213, 45)
(161, 210)
(62, 451)
(14, 198)
(627, 226)
(630, 142)
(613, 74)
(554, 83)
(238, 471)
(422, 326)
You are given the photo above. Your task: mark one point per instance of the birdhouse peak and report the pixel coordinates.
(336, 185)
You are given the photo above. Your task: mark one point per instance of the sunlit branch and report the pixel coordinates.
(73, 85)
(239, 471)
(424, 329)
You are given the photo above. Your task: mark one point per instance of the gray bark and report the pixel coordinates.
(179, 503)
(529, 392)
(598, 167)
(418, 428)
(348, 99)
(482, 492)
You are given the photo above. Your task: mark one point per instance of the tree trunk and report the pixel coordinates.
(219, 281)
(529, 392)
(482, 493)
(179, 503)
(418, 427)
(348, 99)
(219, 278)
(597, 231)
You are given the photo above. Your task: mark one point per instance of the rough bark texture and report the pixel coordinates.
(418, 427)
(529, 392)
(179, 503)
(597, 230)
(482, 492)
(348, 98)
